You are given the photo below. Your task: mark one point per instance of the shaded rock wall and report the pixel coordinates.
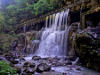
(6, 42)
(87, 48)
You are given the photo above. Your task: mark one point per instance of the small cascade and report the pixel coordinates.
(55, 36)
(34, 46)
(35, 42)
(25, 44)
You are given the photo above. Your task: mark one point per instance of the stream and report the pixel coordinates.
(70, 69)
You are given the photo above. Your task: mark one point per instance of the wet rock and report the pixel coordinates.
(71, 58)
(43, 67)
(29, 71)
(29, 64)
(1, 53)
(37, 74)
(55, 64)
(79, 69)
(53, 73)
(14, 61)
(36, 57)
(22, 59)
(2, 58)
(32, 65)
(25, 64)
(68, 62)
(10, 56)
(55, 59)
(24, 73)
(11, 64)
(18, 70)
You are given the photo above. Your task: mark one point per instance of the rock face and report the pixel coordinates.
(43, 67)
(87, 49)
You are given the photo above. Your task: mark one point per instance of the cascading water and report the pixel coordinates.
(55, 35)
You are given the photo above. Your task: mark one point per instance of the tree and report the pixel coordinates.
(17, 11)
(43, 6)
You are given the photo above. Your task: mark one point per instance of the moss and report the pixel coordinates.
(87, 49)
(6, 41)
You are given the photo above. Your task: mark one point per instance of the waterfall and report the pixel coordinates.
(55, 36)
(25, 44)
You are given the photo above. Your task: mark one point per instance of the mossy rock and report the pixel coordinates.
(6, 41)
(87, 49)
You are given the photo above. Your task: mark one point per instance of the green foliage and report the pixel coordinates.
(11, 10)
(2, 21)
(44, 6)
(18, 11)
(5, 69)
(6, 41)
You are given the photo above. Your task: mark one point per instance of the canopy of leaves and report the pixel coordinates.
(43, 6)
(18, 11)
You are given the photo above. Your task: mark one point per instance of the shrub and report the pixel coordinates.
(5, 69)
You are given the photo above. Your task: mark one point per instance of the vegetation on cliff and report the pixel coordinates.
(6, 41)
(16, 11)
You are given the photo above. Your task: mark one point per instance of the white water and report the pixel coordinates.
(54, 37)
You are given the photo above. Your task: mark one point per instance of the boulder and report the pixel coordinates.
(29, 64)
(29, 71)
(42, 67)
(87, 49)
(36, 57)
(14, 61)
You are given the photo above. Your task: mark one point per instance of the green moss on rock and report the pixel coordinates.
(6, 41)
(87, 49)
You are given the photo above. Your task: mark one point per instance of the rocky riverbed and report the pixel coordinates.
(35, 65)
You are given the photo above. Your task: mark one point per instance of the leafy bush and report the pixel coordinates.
(5, 69)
